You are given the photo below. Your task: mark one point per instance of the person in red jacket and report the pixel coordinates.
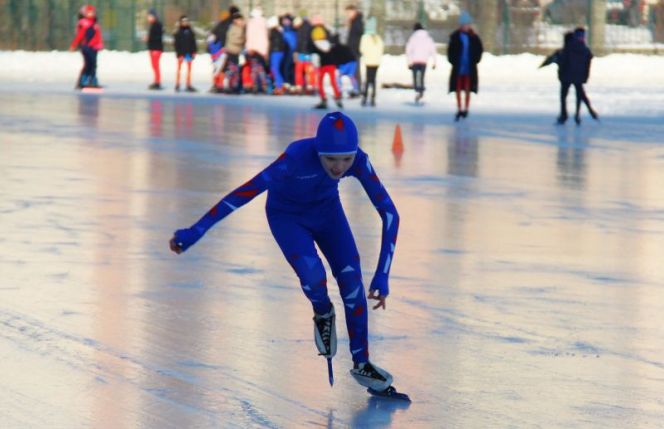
(89, 39)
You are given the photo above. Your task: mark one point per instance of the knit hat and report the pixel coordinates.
(152, 11)
(272, 22)
(318, 33)
(370, 26)
(336, 135)
(465, 18)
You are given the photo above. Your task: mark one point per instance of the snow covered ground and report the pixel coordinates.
(527, 288)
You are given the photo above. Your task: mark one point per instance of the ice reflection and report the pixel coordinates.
(528, 270)
(463, 153)
(571, 156)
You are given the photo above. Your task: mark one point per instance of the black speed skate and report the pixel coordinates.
(389, 393)
(377, 381)
(325, 333)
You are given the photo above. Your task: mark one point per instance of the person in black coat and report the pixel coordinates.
(329, 57)
(355, 32)
(185, 50)
(155, 45)
(574, 69)
(464, 52)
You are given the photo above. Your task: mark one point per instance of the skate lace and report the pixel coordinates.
(325, 328)
(369, 371)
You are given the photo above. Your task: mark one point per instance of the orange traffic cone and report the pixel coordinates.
(397, 144)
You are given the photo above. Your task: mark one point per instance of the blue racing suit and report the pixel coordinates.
(303, 208)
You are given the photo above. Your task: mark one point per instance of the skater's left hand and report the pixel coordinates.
(374, 294)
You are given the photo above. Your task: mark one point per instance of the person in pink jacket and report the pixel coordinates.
(257, 47)
(419, 49)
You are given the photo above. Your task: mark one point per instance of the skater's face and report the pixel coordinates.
(336, 165)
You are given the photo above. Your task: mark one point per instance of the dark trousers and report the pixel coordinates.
(89, 75)
(370, 81)
(580, 97)
(418, 76)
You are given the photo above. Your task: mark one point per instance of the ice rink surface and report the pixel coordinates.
(527, 289)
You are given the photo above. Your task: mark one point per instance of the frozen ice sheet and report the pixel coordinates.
(527, 289)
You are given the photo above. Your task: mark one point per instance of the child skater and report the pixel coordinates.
(303, 208)
(89, 38)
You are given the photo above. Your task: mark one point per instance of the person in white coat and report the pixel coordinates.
(419, 49)
(257, 47)
(371, 50)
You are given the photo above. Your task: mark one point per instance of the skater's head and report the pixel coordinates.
(336, 143)
(233, 10)
(152, 15)
(465, 21)
(418, 26)
(272, 22)
(89, 11)
(351, 12)
(256, 12)
(580, 33)
(370, 26)
(238, 19)
(184, 21)
(297, 22)
(286, 21)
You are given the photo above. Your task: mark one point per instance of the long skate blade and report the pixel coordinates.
(330, 374)
(390, 393)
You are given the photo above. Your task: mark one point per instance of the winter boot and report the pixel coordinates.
(364, 101)
(561, 119)
(458, 116)
(191, 89)
(577, 119)
(325, 333)
(371, 376)
(321, 105)
(177, 88)
(339, 103)
(154, 86)
(464, 114)
(373, 101)
(418, 97)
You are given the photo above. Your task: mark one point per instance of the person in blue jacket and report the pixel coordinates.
(303, 208)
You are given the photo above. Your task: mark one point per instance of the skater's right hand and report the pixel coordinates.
(183, 239)
(174, 246)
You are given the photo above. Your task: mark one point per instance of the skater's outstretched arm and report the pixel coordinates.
(185, 238)
(365, 173)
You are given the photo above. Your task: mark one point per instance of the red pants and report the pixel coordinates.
(463, 84)
(155, 56)
(303, 75)
(331, 71)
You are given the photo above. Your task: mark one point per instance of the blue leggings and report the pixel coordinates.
(296, 235)
(275, 67)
